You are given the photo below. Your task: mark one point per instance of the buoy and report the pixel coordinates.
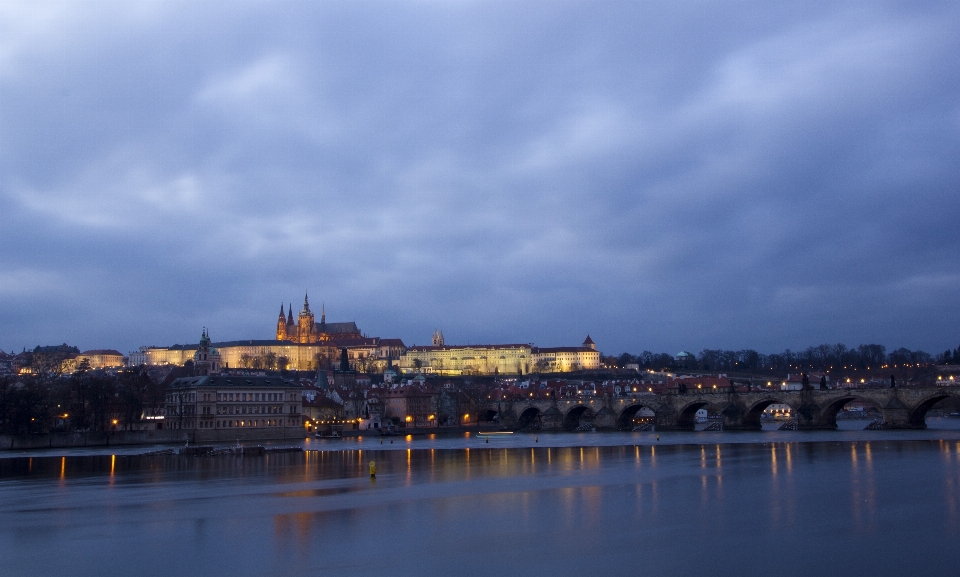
(536, 439)
(658, 437)
(487, 441)
(381, 441)
(373, 468)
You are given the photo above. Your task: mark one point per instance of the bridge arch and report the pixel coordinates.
(752, 418)
(530, 417)
(626, 415)
(572, 418)
(828, 413)
(687, 415)
(489, 415)
(918, 414)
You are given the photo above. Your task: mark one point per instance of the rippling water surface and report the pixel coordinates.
(882, 505)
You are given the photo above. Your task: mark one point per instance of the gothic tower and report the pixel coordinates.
(281, 326)
(306, 330)
(437, 338)
(291, 325)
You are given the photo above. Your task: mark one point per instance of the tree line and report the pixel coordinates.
(83, 401)
(818, 358)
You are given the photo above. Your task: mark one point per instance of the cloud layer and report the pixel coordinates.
(662, 175)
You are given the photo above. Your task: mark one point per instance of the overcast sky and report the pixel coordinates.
(661, 175)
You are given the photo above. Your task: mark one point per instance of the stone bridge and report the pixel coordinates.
(901, 408)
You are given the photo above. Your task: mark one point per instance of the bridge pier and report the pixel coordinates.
(811, 417)
(897, 415)
(508, 418)
(605, 419)
(552, 419)
(737, 417)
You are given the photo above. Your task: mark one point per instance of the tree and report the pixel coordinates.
(136, 391)
(322, 361)
(541, 366)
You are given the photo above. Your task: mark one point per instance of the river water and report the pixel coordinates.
(779, 503)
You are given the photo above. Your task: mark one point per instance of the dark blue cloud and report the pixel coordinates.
(661, 175)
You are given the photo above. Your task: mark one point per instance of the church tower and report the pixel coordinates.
(306, 331)
(206, 360)
(437, 338)
(589, 344)
(291, 325)
(281, 326)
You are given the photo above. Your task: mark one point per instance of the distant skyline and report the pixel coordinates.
(659, 175)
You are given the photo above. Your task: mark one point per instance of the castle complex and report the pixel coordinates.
(301, 343)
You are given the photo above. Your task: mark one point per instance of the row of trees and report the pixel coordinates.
(269, 361)
(951, 357)
(84, 401)
(818, 358)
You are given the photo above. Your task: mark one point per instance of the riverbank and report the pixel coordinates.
(947, 430)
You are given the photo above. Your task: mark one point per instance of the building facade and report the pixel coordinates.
(102, 358)
(252, 354)
(509, 359)
(228, 407)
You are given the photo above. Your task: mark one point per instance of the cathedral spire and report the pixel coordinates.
(306, 303)
(323, 313)
(290, 314)
(281, 310)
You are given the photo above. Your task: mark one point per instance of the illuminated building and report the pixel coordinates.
(411, 407)
(101, 358)
(249, 354)
(301, 345)
(508, 359)
(305, 331)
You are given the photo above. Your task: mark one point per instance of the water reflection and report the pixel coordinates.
(432, 509)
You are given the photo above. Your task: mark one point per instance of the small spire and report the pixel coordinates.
(306, 303)
(323, 313)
